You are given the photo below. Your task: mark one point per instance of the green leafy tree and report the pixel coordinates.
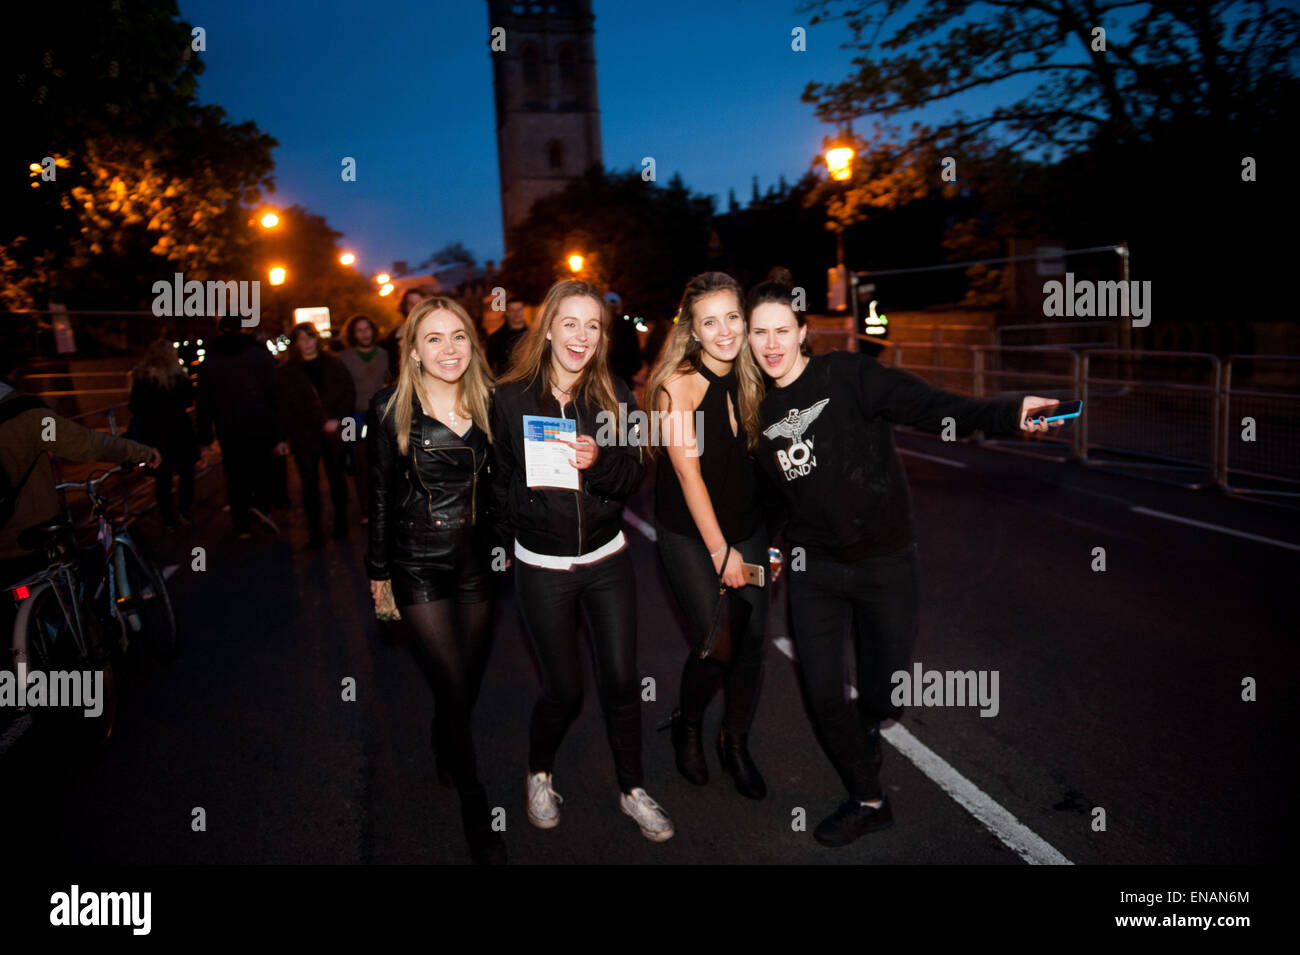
(147, 180)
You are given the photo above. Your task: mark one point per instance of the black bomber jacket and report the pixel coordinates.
(425, 506)
(557, 521)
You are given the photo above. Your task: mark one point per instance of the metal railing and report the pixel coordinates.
(1173, 417)
(1260, 408)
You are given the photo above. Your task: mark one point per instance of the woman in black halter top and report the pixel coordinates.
(707, 514)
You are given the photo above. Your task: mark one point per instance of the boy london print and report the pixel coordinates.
(799, 460)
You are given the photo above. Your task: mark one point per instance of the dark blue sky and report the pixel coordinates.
(710, 89)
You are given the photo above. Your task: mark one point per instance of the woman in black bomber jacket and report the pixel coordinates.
(828, 449)
(427, 446)
(568, 546)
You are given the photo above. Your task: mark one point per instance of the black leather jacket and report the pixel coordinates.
(424, 507)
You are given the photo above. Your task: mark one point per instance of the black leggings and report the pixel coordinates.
(694, 582)
(880, 596)
(451, 645)
(309, 461)
(550, 601)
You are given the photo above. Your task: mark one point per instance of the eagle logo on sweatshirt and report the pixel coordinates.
(798, 460)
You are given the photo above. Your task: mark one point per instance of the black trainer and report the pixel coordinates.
(852, 820)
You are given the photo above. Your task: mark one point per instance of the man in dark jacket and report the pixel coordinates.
(501, 343)
(316, 393)
(237, 399)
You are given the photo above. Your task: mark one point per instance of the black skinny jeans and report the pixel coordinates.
(690, 573)
(881, 596)
(248, 463)
(330, 453)
(550, 601)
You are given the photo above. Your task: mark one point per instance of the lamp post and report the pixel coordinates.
(839, 164)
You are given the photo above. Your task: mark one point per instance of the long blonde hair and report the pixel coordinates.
(531, 359)
(160, 366)
(681, 351)
(472, 389)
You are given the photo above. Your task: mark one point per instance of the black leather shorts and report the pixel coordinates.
(446, 564)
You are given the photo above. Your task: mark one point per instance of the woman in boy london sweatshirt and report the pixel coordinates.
(828, 449)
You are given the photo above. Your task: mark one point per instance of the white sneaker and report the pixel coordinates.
(543, 808)
(649, 815)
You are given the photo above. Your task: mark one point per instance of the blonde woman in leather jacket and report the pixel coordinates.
(427, 444)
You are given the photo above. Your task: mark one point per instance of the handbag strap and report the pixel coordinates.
(722, 588)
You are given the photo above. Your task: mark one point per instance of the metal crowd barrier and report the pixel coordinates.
(1260, 457)
(1151, 414)
(1173, 417)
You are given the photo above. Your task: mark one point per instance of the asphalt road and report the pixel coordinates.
(1119, 690)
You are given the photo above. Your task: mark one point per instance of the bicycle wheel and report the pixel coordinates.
(145, 603)
(46, 641)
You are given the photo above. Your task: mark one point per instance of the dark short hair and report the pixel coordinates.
(230, 323)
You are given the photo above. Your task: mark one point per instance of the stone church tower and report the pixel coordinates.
(548, 120)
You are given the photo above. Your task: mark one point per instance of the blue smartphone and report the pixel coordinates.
(1062, 412)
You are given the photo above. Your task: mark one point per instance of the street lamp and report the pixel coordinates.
(383, 278)
(277, 275)
(386, 289)
(575, 263)
(839, 164)
(347, 258)
(270, 220)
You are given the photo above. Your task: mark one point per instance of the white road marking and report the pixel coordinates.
(1020, 838)
(631, 517)
(1016, 835)
(932, 457)
(1215, 527)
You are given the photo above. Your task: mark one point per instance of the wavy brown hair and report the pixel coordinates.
(472, 389)
(531, 359)
(681, 355)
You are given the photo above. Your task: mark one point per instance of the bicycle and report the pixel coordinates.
(54, 631)
(129, 588)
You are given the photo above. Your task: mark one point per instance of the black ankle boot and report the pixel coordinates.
(486, 847)
(734, 753)
(689, 747)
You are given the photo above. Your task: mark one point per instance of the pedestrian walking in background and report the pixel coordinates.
(161, 395)
(315, 394)
(625, 347)
(501, 343)
(237, 405)
(367, 363)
